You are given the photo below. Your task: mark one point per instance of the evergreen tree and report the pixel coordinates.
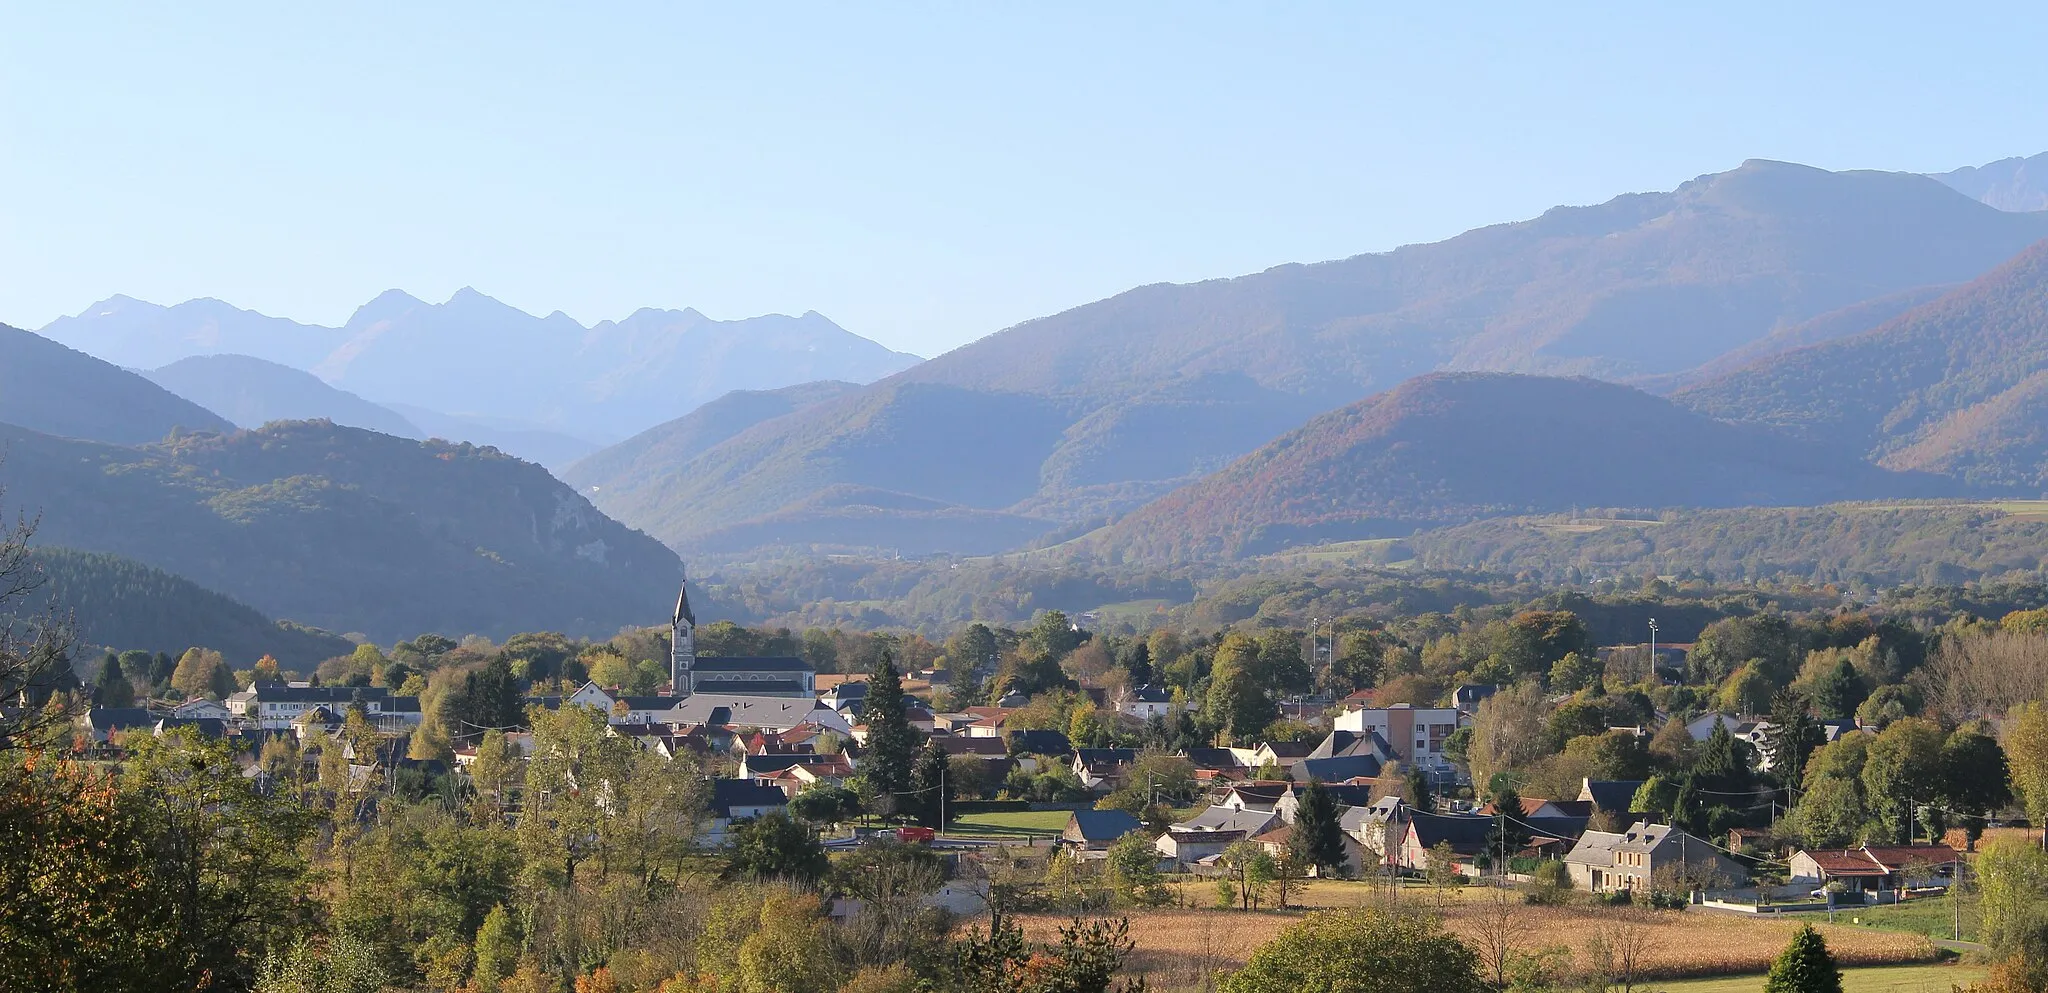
(1804, 966)
(1793, 737)
(927, 782)
(1416, 792)
(892, 742)
(1840, 691)
(112, 689)
(1509, 834)
(497, 949)
(1139, 665)
(1315, 825)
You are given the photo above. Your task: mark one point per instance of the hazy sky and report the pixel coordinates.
(921, 174)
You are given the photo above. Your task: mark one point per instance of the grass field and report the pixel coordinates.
(1180, 944)
(1935, 918)
(1884, 979)
(1009, 824)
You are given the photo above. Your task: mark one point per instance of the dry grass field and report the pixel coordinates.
(1179, 947)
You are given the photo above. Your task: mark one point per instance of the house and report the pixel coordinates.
(766, 713)
(1642, 857)
(1702, 727)
(1415, 735)
(206, 727)
(1247, 822)
(1538, 807)
(1207, 759)
(199, 707)
(1187, 849)
(1283, 754)
(1614, 796)
(102, 723)
(1875, 871)
(1344, 795)
(1275, 840)
(827, 766)
(1259, 796)
(275, 706)
(847, 697)
(734, 800)
(1466, 834)
(1145, 702)
(1103, 769)
(1379, 827)
(1343, 755)
(1096, 830)
(989, 721)
(1468, 697)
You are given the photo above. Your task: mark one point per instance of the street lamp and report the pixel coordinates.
(1653, 651)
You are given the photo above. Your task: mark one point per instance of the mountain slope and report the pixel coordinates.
(1452, 447)
(1120, 400)
(520, 439)
(648, 458)
(122, 604)
(2008, 184)
(473, 356)
(349, 530)
(50, 388)
(1954, 386)
(253, 392)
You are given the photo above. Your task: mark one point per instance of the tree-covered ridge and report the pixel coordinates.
(653, 458)
(49, 388)
(1954, 386)
(350, 530)
(1452, 447)
(1092, 411)
(121, 603)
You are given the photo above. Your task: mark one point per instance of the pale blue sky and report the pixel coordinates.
(923, 174)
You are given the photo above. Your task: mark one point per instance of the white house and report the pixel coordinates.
(1145, 702)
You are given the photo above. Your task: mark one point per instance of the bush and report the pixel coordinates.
(1552, 884)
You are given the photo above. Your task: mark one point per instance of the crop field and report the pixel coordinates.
(1180, 946)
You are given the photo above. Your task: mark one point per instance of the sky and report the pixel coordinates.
(923, 174)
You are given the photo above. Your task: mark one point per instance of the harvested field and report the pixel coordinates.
(1179, 947)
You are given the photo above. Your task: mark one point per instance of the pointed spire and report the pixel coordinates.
(683, 612)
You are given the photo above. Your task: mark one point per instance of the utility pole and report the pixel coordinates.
(1653, 652)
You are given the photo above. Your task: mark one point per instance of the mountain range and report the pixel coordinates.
(1090, 413)
(2008, 184)
(474, 357)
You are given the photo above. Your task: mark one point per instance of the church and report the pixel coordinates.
(691, 674)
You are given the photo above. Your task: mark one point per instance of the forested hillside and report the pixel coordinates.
(49, 388)
(1100, 408)
(622, 475)
(1958, 386)
(349, 530)
(1453, 447)
(121, 604)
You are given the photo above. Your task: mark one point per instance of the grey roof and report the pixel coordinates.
(739, 663)
(1594, 848)
(1106, 756)
(729, 793)
(1465, 833)
(1040, 741)
(764, 687)
(1104, 825)
(118, 718)
(1150, 694)
(1205, 757)
(1617, 795)
(1225, 819)
(271, 692)
(683, 611)
(743, 710)
(1335, 770)
(650, 702)
(1338, 744)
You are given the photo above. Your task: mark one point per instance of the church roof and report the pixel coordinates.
(730, 663)
(683, 612)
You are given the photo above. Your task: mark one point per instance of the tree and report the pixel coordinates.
(199, 671)
(1238, 703)
(1085, 959)
(1499, 930)
(892, 742)
(1316, 824)
(1830, 813)
(1356, 951)
(2026, 751)
(1133, 865)
(1804, 966)
(1793, 736)
(1840, 691)
(1508, 733)
(112, 688)
(35, 645)
(927, 781)
(1138, 664)
(1247, 869)
(497, 950)
(1748, 690)
(822, 803)
(775, 846)
(1902, 771)
(1574, 672)
(1974, 779)
(1416, 792)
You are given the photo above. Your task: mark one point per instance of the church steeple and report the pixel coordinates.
(682, 656)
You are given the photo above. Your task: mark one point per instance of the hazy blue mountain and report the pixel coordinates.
(1853, 319)
(475, 357)
(646, 459)
(1100, 408)
(47, 387)
(349, 530)
(525, 439)
(140, 335)
(253, 392)
(2008, 184)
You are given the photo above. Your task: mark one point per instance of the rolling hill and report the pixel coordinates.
(252, 392)
(53, 389)
(1098, 409)
(349, 530)
(475, 357)
(121, 604)
(1957, 386)
(1452, 447)
(647, 459)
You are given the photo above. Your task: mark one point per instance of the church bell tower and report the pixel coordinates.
(682, 656)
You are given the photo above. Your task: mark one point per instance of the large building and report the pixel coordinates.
(1415, 735)
(745, 676)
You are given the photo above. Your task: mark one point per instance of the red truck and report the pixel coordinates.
(916, 835)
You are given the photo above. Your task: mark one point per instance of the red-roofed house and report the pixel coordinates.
(1879, 870)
